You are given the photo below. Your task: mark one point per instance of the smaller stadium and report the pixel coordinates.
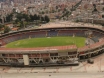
(56, 46)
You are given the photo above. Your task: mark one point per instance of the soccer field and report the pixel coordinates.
(47, 42)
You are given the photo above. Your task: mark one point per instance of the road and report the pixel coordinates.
(52, 75)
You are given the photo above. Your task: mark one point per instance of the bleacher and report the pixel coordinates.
(49, 33)
(43, 34)
(71, 33)
(52, 33)
(65, 33)
(37, 34)
(98, 34)
(23, 36)
(95, 39)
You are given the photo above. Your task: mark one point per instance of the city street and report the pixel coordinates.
(52, 75)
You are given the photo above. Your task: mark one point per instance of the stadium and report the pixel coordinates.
(52, 55)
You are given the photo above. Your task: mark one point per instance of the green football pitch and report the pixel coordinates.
(47, 42)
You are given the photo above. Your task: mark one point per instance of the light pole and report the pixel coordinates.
(72, 17)
(1, 74)
(14, 18)
(23, 22)
(100, 64)
(88, 17)
(93, 16)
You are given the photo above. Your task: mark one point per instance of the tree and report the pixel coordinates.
(16, 21)
(1, 26)
(21, 16)
(31, 18)
(21, 24)
(42, 19)
(38, 17)
(9, 17)
(14, 10)
(0, 20)
(57, 7)
(35, 17)
(43, 12)
(65, 9)
(26, 17)
(25, 23)
(46, 18)
(59, 10)
(103, 8)
(53, 11)
(6, 29)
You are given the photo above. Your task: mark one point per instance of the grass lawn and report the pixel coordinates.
(47, 42)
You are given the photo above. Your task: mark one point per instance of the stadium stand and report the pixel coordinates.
(52, 33)
(95, 39)
(71, 32)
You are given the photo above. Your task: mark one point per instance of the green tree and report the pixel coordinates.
(46, 18)
(42, 19)
(6, 29)
(20, 24)
(65, 9)
(16, 21)
(42, 12)
(9, 17)
(102, 16)
(53, 11)
(25, 23)
(1, 26)
(26, 17)
(35, 17)
(38, 17)
(19, 16)
(31, 18)
(14, 10)
(0, 20)
(103, 8)
(57, 7)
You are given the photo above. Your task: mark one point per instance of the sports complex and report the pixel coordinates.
(51, 46)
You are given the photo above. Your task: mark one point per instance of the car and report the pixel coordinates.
(91, 61)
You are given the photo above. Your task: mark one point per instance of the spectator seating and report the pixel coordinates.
(71, 32)
(52, 33)
(49, 33)
(95, 39)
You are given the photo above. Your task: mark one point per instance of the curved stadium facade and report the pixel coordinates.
(51, 56)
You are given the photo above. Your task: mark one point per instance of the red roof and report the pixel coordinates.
(14, 29)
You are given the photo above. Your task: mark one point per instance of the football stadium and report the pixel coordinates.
(53, 46)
